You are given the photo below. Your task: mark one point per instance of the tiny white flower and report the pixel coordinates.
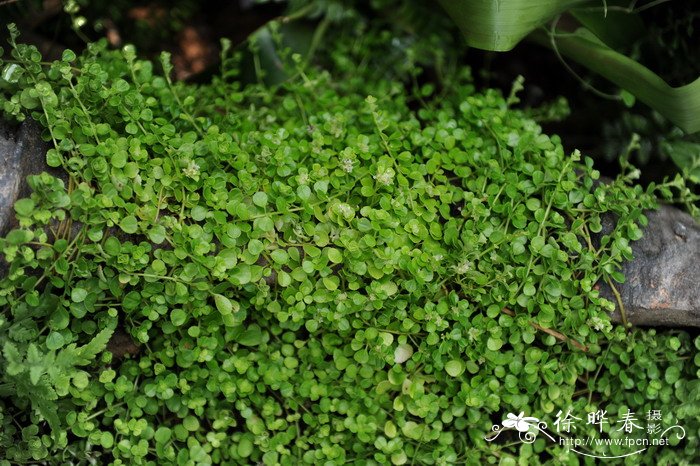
(316, 146)
(597, 323)
(513, 139)
(345, 210)
(299, 233)
(303, 178)
(473, 333)
(192, 169)
(384, 176)
(347, 165)
(463, 267)
(336, 128)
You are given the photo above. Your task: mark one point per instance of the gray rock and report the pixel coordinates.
(661, 282)
(22, 153)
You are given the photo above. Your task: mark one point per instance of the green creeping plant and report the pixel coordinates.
(312, 275)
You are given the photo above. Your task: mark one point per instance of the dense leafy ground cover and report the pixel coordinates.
(336, 270)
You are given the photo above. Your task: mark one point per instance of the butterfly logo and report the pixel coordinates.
(520, 422)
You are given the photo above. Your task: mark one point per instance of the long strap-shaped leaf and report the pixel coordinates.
(681, 105)
(499, 25)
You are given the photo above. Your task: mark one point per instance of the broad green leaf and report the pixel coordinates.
(223, 304)
(251, 337)
(260, 199)
(78, 295)
(17, 237)
(413, 430)
(129, 224)
(335, 256)
(178, 317)
(280, 256)
(686, 155)
(454, 368)
(331, 283)
(618, 28)
(54, 341)
(245, 447)
(241, 274)
(494, 344)
(283, 278)
(157, 234)
(24, 207)
(163, 434)
(191, 423)
(681, 105)
(500, 25)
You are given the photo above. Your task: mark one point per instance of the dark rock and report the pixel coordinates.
(661, 282)
(22, 153)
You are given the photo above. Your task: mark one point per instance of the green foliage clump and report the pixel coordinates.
(332, 271)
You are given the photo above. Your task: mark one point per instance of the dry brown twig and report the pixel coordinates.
(558, 335)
